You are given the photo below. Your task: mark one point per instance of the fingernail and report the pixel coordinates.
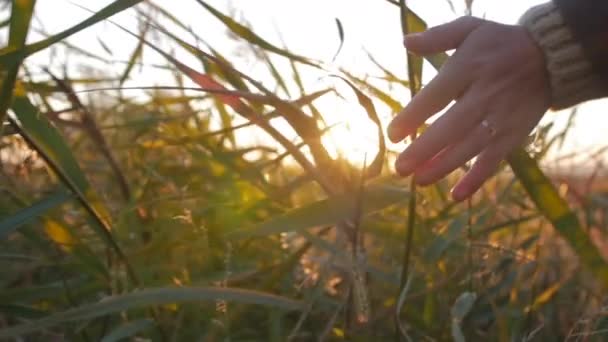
(459, 193)
(409, 37)
(391, 131)
(404, 166)
(421, 180)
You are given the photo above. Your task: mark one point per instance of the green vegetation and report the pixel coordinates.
(127, 216)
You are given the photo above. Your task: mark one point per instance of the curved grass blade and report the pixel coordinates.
(341, 35)
(135, 56)
(90, 125)
(24, 216)
(210, 84)
(305, 126)
(152, 297)
(128, 330)
(11, 54)
(375, 168)
(45, 139)
(326, 212)
(388, 100)
(461, 308)
(251, 37)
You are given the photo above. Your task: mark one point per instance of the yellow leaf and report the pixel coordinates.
(59, 235)
(338, 332)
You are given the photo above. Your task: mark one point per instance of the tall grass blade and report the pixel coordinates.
(326, 212)
(128, 330)
(26, 215)
(21, 16)
(341, 36)
(12, 54)
(135, 56)
(148, 298)
(409, 24)
(548, 201)
(45, 139)
(461, 308)
(375, 168)
(250, 36)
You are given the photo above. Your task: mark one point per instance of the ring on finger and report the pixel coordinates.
(488, 127)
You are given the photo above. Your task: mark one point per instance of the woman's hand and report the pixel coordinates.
(497, 77)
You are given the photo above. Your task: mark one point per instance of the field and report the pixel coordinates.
(212, 207)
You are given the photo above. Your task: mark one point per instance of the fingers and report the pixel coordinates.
(484, 167)
(450, 127)
(453, 157)
(451, 81)
(443, 37)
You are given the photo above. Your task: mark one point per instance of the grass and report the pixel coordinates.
(128, 216)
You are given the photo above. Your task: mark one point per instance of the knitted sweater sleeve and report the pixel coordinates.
(573, 35)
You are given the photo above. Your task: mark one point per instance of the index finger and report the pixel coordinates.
(451, 81)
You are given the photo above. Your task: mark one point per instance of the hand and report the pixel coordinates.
(497, 77)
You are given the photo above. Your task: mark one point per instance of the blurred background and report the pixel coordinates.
(217, 170)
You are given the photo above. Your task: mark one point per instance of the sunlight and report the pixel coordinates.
(353, 138)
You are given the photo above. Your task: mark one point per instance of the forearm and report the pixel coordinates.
(573, 35)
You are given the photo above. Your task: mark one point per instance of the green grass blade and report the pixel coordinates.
(251, 37)
(47, 141)
(11, 54)
(21, 16)
(409, 24)
(388, 100)
(128, 330)
(135, 56)
(26, 215)
(546, 198)
(326, 212)
(375, 168)
(152, 297)
(340, 28)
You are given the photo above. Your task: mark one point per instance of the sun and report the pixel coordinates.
(354, 139)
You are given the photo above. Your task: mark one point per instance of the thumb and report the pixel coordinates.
(443, 37)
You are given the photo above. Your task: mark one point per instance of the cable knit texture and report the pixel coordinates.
(571, 74)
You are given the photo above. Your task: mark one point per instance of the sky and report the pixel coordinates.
(308, 28)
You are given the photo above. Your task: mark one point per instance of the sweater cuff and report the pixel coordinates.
(571, 74)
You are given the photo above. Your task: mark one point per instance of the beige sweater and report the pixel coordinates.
(572, 77)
